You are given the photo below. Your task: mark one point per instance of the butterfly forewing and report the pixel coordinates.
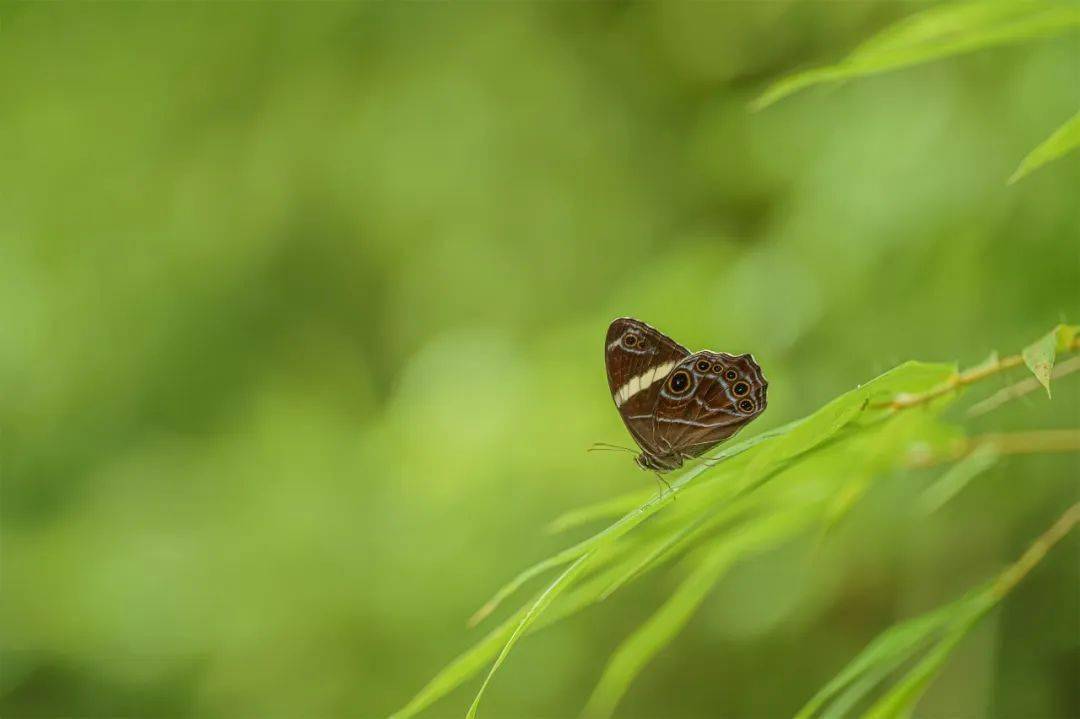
(639, 359)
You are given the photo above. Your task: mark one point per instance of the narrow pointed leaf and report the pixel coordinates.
(634, 653)
(1040, 355)
(542, 602)
(933, 34)
(957, 477)
(902, 698)
(1064, 139)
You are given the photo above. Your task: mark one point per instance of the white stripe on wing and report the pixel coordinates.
(642, 382)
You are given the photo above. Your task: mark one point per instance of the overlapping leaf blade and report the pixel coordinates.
(933, 34)
(1063, 140)
(764, 471)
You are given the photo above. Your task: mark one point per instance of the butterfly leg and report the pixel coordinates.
(664, 482)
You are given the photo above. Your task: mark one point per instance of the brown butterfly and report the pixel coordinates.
(677, 404)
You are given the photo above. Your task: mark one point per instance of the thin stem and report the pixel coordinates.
(1020, 389)
(1011, 576)
(958, 380)
(1048, 440)
(1033, 442)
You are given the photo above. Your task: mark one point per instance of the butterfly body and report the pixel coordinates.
(678, 404)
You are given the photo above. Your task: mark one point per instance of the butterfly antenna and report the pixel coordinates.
(605, 447)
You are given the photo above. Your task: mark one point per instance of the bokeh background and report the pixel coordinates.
(301, 323)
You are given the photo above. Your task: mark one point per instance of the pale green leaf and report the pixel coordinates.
(1039, 356)
(938, 32)
(632, 655)
(619, 556)
(900, 700)
(957, 477)
(462, 668)
(1062, 140)
(542, 602)
(908, 639)
(622, 526)
(890, 648)
(633, 518)
(991, 362)
(614, 507)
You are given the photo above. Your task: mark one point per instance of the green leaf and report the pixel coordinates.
(890, 648)
(678, 539)
(957, 477)
(909, 378)
(542, 602)
(858, 690)
(619, 556)
(901, 699)
(632, 655)
(943, 627)
(622, 526)
(1039, 356)
(613, 507)
(633, 518)
(991, 362)
(939, 32)
(460, 669)
(1061, 141)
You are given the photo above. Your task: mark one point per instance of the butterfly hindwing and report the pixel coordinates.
(707, 398)
(638, 360)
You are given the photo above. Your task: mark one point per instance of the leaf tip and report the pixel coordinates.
(480, 615)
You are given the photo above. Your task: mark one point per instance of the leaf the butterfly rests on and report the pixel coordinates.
(678, 405)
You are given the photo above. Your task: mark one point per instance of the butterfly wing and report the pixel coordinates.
(638, 360)
(706, 399)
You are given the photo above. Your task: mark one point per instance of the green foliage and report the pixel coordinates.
(300, 326)
(943, 31)
(1062, 140)
(752, 496)
(1039, 356)
(923, 643)
(881, 657)
(933, 34)
(957, 477)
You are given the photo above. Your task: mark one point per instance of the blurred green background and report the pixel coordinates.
(301, 324)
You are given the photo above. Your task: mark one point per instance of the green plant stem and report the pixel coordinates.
(959, 380)
(1034, 554)
(1021, 388)
(1033, 442)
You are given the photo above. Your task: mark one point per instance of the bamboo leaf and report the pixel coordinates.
(905, 640)
(902, 698)
(1040, 355)
(939, 32)
(460, 669)
(619, 556)
(890, 648)
(1064, 139)
(632, 655)
(542, 602)
(957, 477)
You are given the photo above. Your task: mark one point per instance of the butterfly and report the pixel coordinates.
(677, 404)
